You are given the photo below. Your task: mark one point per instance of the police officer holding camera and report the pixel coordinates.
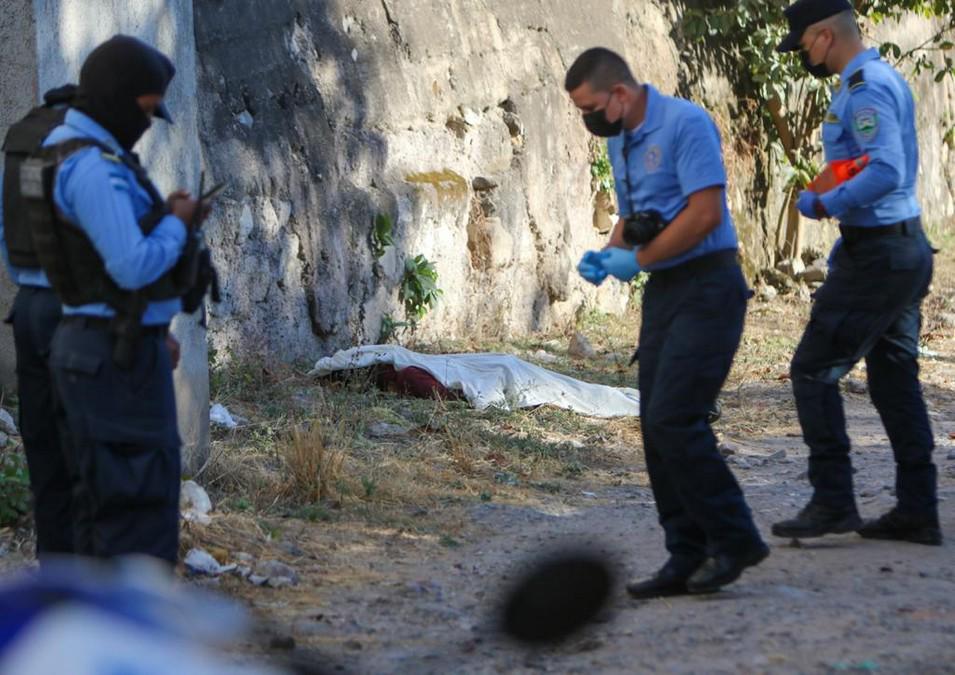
(676, 225)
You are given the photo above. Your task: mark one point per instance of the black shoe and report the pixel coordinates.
(904, 527)
(668, 582)
(724, 569)
(816, 520)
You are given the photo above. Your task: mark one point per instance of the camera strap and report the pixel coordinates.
(626, 171)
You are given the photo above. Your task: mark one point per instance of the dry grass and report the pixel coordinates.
(307, 452)
(313, 461)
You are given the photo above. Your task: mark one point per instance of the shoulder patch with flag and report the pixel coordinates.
(866, 123)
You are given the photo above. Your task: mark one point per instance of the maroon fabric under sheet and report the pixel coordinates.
(415, 382)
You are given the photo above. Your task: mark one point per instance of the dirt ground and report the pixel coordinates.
(423, 599)
(402, 565)
(378, 601)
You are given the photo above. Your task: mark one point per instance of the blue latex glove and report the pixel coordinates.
(832, 254)
(620, 263)
(590, 268)
(807, 204)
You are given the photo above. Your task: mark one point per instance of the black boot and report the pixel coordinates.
(725, 568)
(900, 526)
(816, 520)
(669, 581)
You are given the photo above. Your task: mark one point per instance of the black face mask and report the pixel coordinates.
(113, 76)
(598, 124)
(821, 70)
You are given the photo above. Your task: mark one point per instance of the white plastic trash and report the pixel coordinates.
(220, 415)
(194, 503)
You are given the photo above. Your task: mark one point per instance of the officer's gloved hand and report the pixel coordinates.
(808, 205)
(620, 263)
(833, 252)
(590, 268)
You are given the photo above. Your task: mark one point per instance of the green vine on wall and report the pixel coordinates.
(793, 103)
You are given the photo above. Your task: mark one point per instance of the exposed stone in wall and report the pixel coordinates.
(448, 116)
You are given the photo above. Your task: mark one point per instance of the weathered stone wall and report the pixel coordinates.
(935, 105)
(449, 117)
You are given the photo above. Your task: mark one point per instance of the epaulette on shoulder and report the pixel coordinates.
(110, 157)
(857, 80)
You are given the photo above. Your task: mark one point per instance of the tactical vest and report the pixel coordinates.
(73, 266)
(22, 140)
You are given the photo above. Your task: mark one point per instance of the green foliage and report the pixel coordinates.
(391, 328)
(382, 235)
(755, 27)
(369, 485)
(637, 286)
(14, 488)
(793, 103)
(600, 169)
(419, 288)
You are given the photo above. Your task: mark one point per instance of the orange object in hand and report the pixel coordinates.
(838, 172)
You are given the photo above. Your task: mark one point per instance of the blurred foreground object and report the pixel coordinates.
(130, 617)
(560, 595)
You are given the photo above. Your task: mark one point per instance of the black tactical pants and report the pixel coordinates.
(869, 307)
(123, 437)
(35, 315)
(692, 325)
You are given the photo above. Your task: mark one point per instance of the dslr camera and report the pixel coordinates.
(642, 228)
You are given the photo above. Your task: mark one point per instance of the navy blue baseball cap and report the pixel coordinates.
(805, 13)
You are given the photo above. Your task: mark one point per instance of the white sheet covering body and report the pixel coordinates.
(494, 380)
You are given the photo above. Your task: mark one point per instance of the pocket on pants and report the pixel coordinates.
(110, 406)
(906, 257)
(124, 475)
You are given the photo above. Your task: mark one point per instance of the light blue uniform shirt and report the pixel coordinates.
(673, 154)
(104, 199)
(873, 113)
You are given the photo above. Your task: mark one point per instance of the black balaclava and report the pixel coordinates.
(113, 76)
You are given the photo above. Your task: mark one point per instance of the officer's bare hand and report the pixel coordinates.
(172, 344)
(183, 206)
(176, 196)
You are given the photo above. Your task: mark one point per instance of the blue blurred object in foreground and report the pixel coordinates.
(130, 617)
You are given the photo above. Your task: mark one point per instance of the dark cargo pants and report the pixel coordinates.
(123, 437)
(869, 307)
(692, 325)
(35, 316)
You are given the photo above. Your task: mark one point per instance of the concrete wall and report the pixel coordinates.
(449, 116)
(65, 31)
(18, 88)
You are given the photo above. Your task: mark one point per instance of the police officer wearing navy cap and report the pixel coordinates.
(870, 306)
(671, 187)
(111, 247)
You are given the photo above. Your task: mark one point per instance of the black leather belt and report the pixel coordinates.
(697, 266)
(906, 228)
(105, 324)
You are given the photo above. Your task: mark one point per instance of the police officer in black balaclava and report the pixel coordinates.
(114, 260)
(113, 76)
